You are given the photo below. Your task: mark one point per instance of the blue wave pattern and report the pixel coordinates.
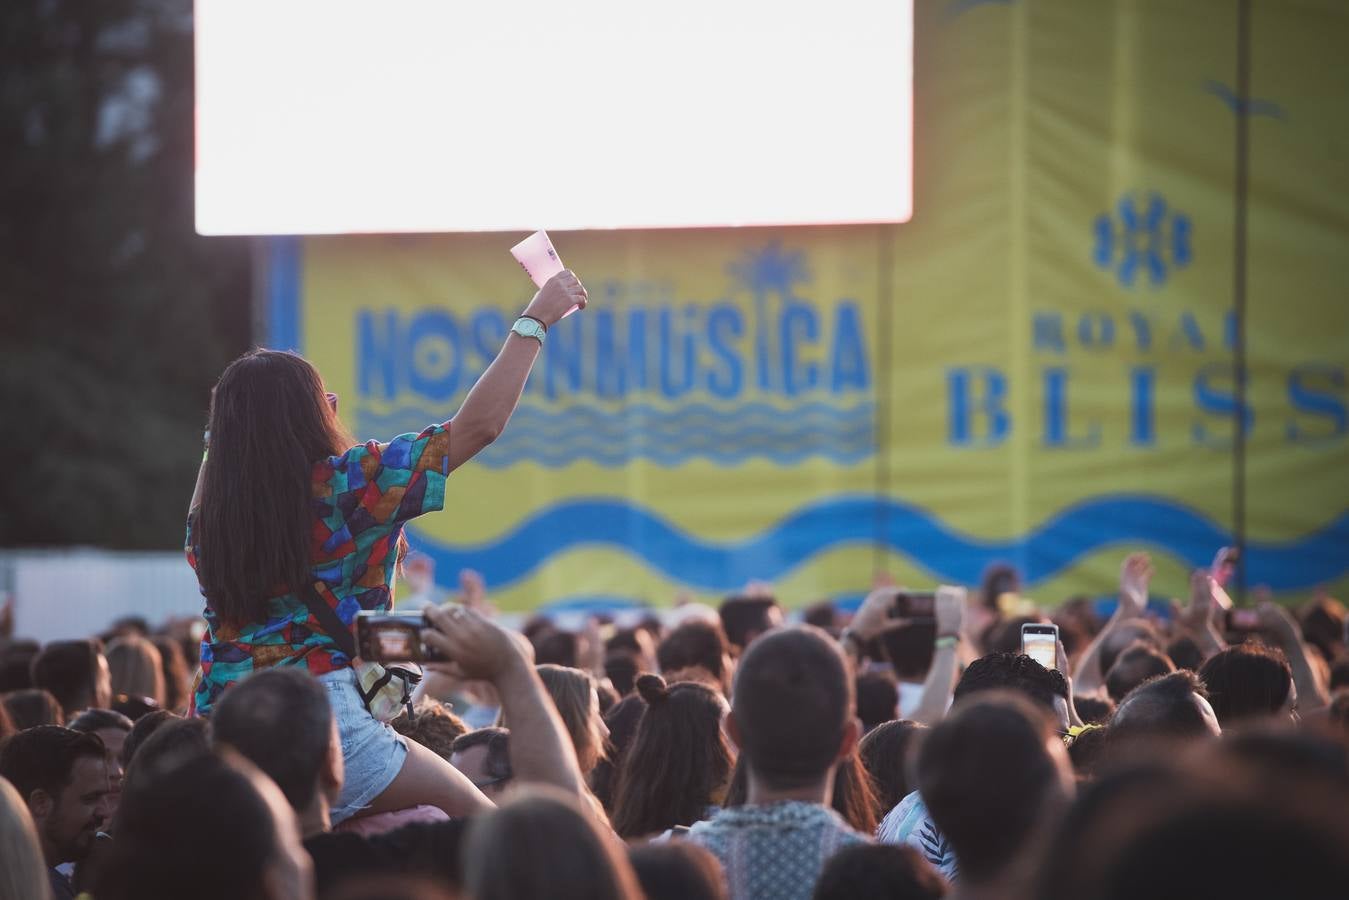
(668, 438)
(1128, 520)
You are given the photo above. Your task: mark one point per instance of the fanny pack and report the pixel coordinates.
(385, 690)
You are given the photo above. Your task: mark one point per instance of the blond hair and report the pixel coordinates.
(24, 874)
(137, 668)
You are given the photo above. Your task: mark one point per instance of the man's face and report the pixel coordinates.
(113, 739)
(69, 821)
(473, 763)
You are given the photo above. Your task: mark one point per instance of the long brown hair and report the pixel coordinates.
(573, 693)
(679, 762)
(270, 423)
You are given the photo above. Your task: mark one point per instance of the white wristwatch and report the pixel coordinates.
(530, 328)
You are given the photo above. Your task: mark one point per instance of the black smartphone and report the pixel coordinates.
(919, 606)
(1041, 643)
(393, 637)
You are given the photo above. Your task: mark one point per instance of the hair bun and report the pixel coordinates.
(652, 688)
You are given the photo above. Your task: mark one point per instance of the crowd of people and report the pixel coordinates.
(1166, 755)
(903, 750)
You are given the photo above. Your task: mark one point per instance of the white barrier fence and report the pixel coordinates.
(74, 593)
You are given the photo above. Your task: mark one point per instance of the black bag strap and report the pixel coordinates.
(329, 620)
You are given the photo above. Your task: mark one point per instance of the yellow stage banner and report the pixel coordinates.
(1038, 369)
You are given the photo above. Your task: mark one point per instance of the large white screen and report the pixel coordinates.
(469, 115)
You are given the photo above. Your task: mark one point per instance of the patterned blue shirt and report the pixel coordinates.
(774, 851)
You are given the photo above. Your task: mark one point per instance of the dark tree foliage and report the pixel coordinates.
(115, 317)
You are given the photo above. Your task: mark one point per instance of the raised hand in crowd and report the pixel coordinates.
(1134, 580)
(474, 647)
(1286, 634)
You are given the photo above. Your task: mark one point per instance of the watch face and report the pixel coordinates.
(528, 328)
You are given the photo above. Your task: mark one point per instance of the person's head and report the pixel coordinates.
(1185, 652)
(1016, 672)
(1125, 635)
(484, 756)
(677, 870)
(745, 618)
(190, 808)
(621, 668)
(1337, 714)
(32, 707)
(1339, 673)
(280, 720)
(432, 725)
(998, 579)
(823, 615)
(175, 737)
(541, 844)
(76, 672)
(1134, 666)
(62, 776)
(884, 753)
(1323, 623)
(1094, 710)
(1089, 750)
(143, 727)
(1171, 706)
(696, 643)
(908, 646)
(389, 887)
(879, 872)
(177, 680)
(24, 874)
(16, 664)
(638, 641)
(1249, 682)
(679, 762)
(553, 646)
(991, 773)
(254, 523)
(854, 796)
(112, 729)
(573, 693)
(136, 667)
(792, 708)
(877, 699)
(1202, 824)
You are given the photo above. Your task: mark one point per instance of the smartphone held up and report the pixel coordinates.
(1041, 643)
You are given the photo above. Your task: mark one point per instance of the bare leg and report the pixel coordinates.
(427, 779)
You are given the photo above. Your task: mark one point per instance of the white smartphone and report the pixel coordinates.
(1041, 643)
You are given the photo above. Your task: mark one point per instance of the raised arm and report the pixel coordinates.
(1280, 625)
(477, 648)
(940, 683)
(490, 403)
(1135, 575)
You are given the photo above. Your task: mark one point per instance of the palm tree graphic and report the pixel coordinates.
(765, 272)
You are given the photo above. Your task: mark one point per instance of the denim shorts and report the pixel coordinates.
(372, 752)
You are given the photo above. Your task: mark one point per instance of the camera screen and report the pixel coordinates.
(397, 642)
(1039, 647)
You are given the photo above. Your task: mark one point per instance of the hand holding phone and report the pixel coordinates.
(1041, 642)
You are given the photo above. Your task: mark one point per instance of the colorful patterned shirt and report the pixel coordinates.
(774, 851)
(361, 501)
